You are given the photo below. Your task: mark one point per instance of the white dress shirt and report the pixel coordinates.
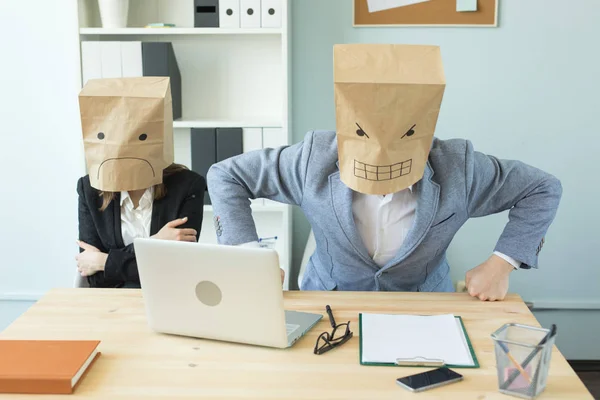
(383, 223)
(135, 222)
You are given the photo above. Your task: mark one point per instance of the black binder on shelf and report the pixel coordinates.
(158, 59)
(211, 145)
(229, 143)
(206, 13)
(204, 152)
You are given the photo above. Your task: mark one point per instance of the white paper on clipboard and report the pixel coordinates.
(381, 5)
(392, 338)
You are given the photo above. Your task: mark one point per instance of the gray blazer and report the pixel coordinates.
(458, 183)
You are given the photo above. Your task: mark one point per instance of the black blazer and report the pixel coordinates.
(102, 229)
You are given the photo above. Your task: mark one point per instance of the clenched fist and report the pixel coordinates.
(489, 281)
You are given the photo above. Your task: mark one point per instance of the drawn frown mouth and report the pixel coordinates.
(382, 172)
(125, 158)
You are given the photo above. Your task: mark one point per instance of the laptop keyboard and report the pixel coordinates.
(291, 328)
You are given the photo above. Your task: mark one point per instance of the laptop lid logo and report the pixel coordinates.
(208, 293)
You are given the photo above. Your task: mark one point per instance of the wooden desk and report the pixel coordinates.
(137, 363)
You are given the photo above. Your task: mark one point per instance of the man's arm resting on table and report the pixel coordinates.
(531, 195)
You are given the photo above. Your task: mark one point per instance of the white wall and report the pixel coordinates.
(11, 310)
(41, 154)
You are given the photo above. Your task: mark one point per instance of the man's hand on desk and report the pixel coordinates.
(489, 281)
(91, 260)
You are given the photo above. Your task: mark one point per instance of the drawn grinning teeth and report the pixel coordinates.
(379, 173)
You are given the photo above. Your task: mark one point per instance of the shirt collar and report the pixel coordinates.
(125, 198)
(409, 188)
(145, 201)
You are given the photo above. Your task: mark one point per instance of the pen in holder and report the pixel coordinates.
(523, 359)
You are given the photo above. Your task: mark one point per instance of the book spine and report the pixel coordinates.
(35, 386)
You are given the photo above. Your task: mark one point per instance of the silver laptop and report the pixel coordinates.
(227, 293)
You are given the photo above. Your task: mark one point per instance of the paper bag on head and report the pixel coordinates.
(127, 126)
(387, 101)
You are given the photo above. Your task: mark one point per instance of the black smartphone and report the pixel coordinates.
(429, 379)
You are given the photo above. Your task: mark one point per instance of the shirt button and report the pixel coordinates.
(138, 216)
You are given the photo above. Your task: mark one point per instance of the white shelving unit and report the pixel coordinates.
(178, 31)
(230, 78)
(223, 123)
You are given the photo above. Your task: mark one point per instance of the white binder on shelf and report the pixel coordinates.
(91, 61)
(111, 59)
(229, 13)
(250, 13)
(252, 138)
(131, 59)
(271, 13)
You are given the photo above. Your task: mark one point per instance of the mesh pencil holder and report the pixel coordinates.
(522, 362)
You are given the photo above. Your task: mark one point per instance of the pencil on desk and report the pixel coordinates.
(512, 359)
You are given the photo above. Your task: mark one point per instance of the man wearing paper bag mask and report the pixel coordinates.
(383, 196)
(133, 188)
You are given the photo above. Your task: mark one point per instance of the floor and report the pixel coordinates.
(589, 372)
(591, 379)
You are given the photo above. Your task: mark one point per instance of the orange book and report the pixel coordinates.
(44, 366)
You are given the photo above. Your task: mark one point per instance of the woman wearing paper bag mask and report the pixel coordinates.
(383, 196)
(133, 188)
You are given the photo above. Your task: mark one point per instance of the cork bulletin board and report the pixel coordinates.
(426, 13)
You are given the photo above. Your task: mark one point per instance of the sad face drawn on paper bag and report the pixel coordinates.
(387, 100)
(127, 126)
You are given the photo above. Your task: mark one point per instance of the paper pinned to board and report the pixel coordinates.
(466, 5)
(387, 338)
(382, 5)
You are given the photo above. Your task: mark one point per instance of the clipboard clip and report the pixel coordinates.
(419, 362)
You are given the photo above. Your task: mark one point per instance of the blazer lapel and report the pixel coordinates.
(116, 210)
(428, 193)
(157, 212)
(342, 204)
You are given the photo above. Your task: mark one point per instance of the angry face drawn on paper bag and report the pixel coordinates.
(127, 128)
(387, 100)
